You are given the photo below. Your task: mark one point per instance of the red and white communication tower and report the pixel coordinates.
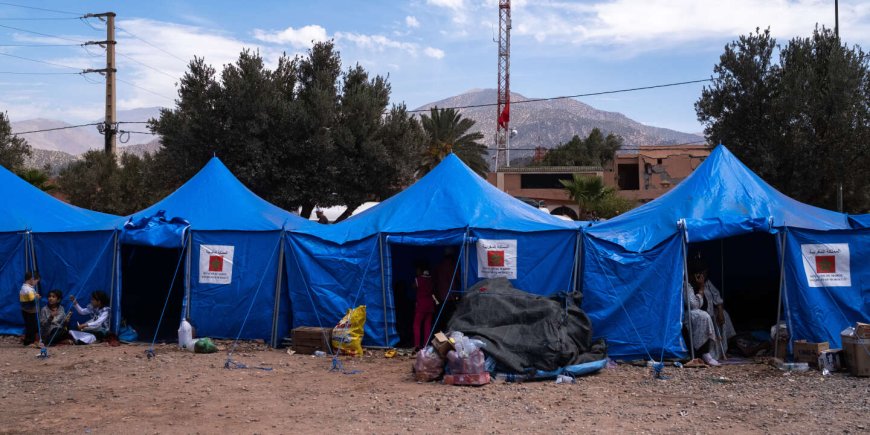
(502, 131)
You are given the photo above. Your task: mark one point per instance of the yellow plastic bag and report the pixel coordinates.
(348, 334)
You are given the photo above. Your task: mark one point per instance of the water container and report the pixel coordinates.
(185, 335)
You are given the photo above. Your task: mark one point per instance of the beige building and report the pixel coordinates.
(640, 175)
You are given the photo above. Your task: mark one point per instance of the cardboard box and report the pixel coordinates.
(309, 339)
(808, 352)
(857, 354)
(831, 359)
(442, 344)
(862, 330)
(475, 379)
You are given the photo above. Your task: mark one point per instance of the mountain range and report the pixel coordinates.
(545, 123)
(548, 123)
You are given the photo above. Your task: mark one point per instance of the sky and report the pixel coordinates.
(428, 49)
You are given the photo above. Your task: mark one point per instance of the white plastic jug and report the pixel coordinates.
(185, 335)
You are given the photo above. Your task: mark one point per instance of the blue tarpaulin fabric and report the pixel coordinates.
(449, 197)
(451, 204)
(68, 243)
(633, 299)
(636, 258)
(218, 310)
(12, 268)
(221, 211)
(335, 278)
(27, 208)
(155, 231)
(860, 220)
(721, 198)
(820, 303)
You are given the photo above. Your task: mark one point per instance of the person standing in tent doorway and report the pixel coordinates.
(28, 297)
(447, 285)
(99, 311)
(321, 218)
(424, 308)
(714, 305)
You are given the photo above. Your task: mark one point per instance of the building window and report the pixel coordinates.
(543, 181)
(627, 176)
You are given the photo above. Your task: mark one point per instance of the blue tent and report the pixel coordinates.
(633, 267)
(228, 240)
(357, 261)
(71, 248)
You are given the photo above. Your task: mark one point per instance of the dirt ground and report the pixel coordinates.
(102, 389)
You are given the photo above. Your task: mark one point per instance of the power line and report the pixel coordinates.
(146, 90)
(59, 128)
(146, 65)
(39, 9)
(39, 61)
(39, 45)
(152, 45)
(40, 34)
(534, 100)
(37, 19)
(38, 73)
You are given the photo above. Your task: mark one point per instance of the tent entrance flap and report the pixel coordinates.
(146, 274)
(746, 270)
(406, 261)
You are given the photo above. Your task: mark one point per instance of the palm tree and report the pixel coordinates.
(37, 178)
(587, 191)
(448, 132)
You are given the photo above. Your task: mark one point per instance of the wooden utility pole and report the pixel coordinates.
(109, 128)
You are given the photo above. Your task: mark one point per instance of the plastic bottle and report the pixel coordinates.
(319, 353)
(185, 335)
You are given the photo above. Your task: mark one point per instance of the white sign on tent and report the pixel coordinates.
(827, 265)
(215, 264)
(497, 259)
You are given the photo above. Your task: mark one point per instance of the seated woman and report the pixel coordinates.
(99, 311)
(698, 326)
(712, 302)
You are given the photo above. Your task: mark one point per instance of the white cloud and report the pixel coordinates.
(458, 9)
(298, 38)
(412, 22)
(665, 23)
(178, 44)
(434, 52)
(380, 43)
(449, 4)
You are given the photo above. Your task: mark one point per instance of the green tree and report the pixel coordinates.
(586, 191)
(595, 150)
(299, 135)
(802, 124)
(38, 178)
(448, 132)
(592, 195)
(13, 149)
(98, 182)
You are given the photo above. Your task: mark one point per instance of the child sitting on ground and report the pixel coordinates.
(99, 311)
(52, 319)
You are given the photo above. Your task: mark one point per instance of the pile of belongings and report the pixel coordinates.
(524, 336)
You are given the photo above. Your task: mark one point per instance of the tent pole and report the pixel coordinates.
(578, 250)
(277, 306)
(187, 273)
(116, 324)
(465, 261)
(782, 236)
(685, 299)
(384, 292)
(722, 269)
